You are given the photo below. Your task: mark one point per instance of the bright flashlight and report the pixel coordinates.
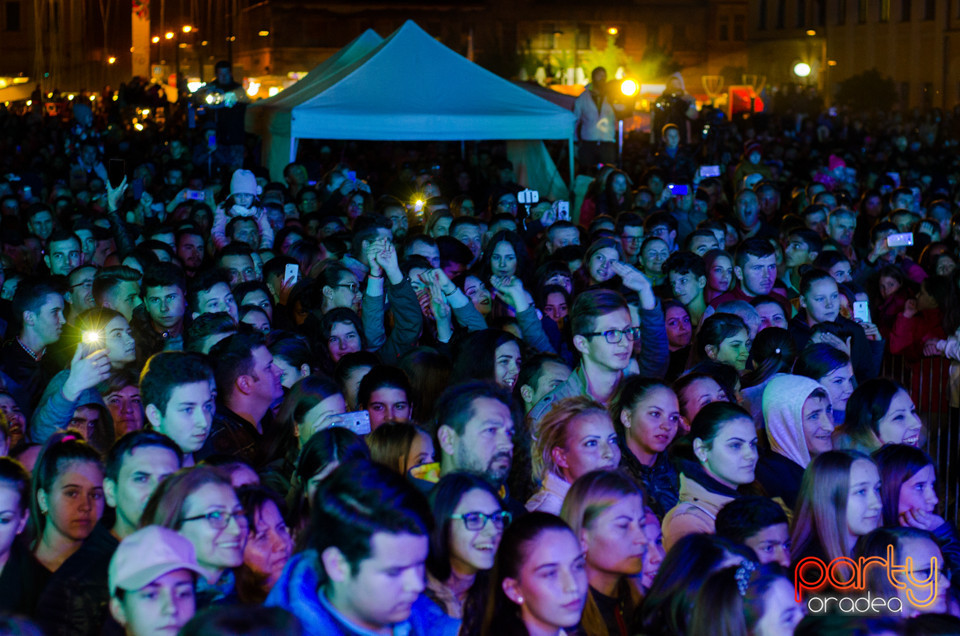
(629, 87)
(91, 337)
(801, 69)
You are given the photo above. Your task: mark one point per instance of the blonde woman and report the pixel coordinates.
(576, 436)
(605, 511)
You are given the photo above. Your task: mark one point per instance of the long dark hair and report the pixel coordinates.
(866, 407)
(495, 614)
(896, 464)
(668, 604)
(444, 499)
(475, 355)
(773, 351)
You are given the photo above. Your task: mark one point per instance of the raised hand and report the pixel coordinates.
(510, 289)
(115, 195)
(636, 280)
(86, 372)
(371, 251)
(832, 340)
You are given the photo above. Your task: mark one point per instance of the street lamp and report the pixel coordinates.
(613, 31)
(801, 69)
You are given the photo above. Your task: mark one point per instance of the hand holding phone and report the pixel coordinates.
(904, 239)
(291, 274)
(356, 421)
(861, 311)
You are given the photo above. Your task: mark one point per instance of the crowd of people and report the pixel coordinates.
(381, 396)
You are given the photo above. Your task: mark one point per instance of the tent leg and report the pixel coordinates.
(463, 150)
(570, 159)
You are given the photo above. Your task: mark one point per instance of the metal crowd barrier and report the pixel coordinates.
(929, 383)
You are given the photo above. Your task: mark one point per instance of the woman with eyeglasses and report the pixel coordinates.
(340, 288)
(201, 504)
(469, 523)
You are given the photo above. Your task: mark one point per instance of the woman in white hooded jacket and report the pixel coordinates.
(799, 424)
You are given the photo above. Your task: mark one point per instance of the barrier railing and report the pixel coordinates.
(928, 381)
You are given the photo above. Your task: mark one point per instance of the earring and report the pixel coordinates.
(519, 600)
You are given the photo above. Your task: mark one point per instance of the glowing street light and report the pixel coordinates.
(155, 39)
(169, 35)
(613, 30)
(263, 33)
(629, 87)
(111, 60)
(811, 32)
(187, 28)
(801, 69)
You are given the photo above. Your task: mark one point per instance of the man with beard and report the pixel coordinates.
(475, 432)
(190, 250)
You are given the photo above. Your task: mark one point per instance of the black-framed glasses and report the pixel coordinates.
(476, 521)
(220, 519)
(614, 336)
(353, 287)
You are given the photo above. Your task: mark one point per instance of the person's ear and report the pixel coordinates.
(711, 351)
(803, 302)
(46, 259)
(813, 255)
(304, 369)
(29, 318)
(700, 450)
(244, 383)
(116, 610)
(328, 292)
(110, 492)
(559, 457)
(42, 503)
(738, 272)
(23, 521)
(625, 416)
(512, 589)
(194, 315)
(335, 564)
(153, 415)
(581, 344)
(448, 439)
(526, 392)
(702, 282)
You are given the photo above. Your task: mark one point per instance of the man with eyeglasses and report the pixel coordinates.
(604, 334)
(663, 226)
(630, 231)
(75, 600)
(80, 294)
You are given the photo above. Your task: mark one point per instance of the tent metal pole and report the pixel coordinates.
(463, 150)
(570, 159)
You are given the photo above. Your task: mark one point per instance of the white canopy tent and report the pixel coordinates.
(407, 87)
(271, 118)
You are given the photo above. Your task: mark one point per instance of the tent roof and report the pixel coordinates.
(412, 87)
(305, 88)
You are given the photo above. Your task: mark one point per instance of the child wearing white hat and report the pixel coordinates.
(151, 577)
(242, 202)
